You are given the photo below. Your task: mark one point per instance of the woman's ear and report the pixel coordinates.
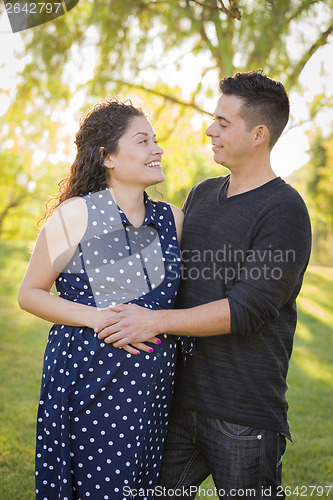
(108, 162)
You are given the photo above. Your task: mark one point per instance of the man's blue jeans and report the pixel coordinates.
(244, 462)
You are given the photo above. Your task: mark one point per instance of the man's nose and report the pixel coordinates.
(211, 130)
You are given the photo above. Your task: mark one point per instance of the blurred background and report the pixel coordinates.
(168, 57)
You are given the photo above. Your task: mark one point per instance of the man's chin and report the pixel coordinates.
(218, 157)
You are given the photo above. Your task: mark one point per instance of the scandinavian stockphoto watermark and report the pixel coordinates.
(120, 263)
(26, 14)
(230, 265)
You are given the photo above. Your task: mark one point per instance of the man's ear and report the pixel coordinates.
(260, 134)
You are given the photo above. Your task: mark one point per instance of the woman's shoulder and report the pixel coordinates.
(72, 205)
(70, 215)
(64, 230)
(163, 206)
(177, 213)
(178, 217)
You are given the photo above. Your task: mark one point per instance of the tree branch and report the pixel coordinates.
(171, 126)
(204, 35)
(222, 8)
(232, 12)
(167, 97)
(148, 4)
(301, 9)
(199, 86)
(13, 203)
(322, 40)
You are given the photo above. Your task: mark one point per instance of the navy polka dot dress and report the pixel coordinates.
(103, 412)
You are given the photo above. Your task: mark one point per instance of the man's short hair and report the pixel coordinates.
(265, 101)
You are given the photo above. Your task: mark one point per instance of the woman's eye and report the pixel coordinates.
(144, 141)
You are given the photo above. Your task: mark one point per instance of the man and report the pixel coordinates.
(246, 244)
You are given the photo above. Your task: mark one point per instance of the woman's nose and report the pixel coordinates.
(158, 150)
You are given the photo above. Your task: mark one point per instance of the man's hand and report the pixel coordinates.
(108, 317)
(131, 325)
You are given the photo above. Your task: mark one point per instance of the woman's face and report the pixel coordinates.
(138, 160)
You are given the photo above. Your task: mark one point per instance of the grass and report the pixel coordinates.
(22, 341)
(307, 461)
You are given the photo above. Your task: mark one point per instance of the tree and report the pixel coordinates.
(22, 193)
(318, 191)
(135, 41)
(123, 46)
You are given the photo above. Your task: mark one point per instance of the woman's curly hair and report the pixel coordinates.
(99, 134)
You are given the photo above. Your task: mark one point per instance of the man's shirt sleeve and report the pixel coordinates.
(272, 273)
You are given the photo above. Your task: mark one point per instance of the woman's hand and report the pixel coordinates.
(107, 318)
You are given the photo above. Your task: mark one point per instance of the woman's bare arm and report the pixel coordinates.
(55, 246)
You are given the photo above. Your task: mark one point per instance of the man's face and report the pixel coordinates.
(232, 142)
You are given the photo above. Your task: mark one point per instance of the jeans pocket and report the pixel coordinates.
(281, 448)
(237, 431)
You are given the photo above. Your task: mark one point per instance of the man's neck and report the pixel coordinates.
(241, 182)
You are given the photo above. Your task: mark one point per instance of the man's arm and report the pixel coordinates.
(138, 324)
(269, 278)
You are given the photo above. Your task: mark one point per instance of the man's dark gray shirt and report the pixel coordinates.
(253, 249)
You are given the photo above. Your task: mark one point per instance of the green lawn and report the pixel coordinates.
(307, 461)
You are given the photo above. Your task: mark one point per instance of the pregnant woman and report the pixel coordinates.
(103, 411)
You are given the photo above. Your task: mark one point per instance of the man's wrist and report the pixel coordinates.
(162, 321)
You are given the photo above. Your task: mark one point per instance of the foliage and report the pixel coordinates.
(317, 179)
(135, 42)
(308, 460)
(106, 47)
(22, 188)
